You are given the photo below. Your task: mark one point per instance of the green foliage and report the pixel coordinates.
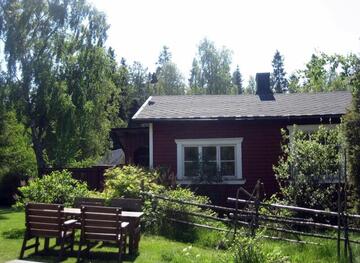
(212, 76)
(325, 73)
(278, 80)
(17, 159)
(251, 87)
(57, 187)
(166, 209)
(185, 255)
(308, 167)
(352, 135)
(195, 79)
(249, 250)
(127, 182)
(170, 80)
(61, 78)
(237, 81)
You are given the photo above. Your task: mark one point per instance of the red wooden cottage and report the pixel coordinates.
(227, 140)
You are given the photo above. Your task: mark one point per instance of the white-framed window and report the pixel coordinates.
(308, 128)
(215, 157)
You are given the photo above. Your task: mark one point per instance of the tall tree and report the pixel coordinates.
(251, 87)
(61, 75)
(237, 80)
(138, 79)
(17, 159)
(352, 135)
(278, 79)
(195, 78)
(164, 57)
(214, 63)
(169, 80)
(294, 83)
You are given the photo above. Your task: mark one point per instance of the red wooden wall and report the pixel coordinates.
(260, 150)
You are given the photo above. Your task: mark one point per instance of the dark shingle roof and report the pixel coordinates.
(244, 106)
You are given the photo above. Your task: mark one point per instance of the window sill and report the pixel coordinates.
(225, 181)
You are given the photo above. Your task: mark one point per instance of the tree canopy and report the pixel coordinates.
(61, 77)
(213, 76)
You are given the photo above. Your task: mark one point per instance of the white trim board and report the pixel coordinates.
(236, 142)
(141, 108)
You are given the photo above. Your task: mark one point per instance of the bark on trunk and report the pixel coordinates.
(38, 149)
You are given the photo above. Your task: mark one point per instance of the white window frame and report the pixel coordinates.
(218, 142)
(307, 128)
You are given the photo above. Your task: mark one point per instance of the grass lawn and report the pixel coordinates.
(152, 248)
(159, 249)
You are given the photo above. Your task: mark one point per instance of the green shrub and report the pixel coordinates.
(186, 232)
(127, 182)
(58, 187)
(308, 168)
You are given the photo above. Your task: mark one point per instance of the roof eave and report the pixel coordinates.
(247, 118)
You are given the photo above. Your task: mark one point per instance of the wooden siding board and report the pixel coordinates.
(260, 149)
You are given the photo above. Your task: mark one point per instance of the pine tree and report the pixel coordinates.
(237, 80)
(195, 78)
(278, 80)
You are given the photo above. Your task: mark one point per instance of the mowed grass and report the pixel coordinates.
(159, 249)
(152, 248)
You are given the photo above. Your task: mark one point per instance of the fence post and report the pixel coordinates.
(339, 217)
(347, 247)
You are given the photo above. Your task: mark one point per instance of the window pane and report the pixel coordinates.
(209, 154)
(209, 169)
(191, 153)
(227, 168)
(191, 168)
(227, 153)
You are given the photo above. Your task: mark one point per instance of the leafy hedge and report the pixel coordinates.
(308, 168)
(58, 187)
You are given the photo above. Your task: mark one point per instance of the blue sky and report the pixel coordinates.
(253, 30)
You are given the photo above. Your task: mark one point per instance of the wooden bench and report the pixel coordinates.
(47, 221)
(135, 205)
(100, 223)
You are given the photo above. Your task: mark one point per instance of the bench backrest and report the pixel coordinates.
(44, 220)
(88, 201)
(127, 204)
(100, 223)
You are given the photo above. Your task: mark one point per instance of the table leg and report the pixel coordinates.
(46, 243)
(131, 240)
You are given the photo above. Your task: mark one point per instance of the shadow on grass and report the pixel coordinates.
(51, 255)
(5, 211)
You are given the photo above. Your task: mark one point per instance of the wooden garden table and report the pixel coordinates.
(132, 217)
